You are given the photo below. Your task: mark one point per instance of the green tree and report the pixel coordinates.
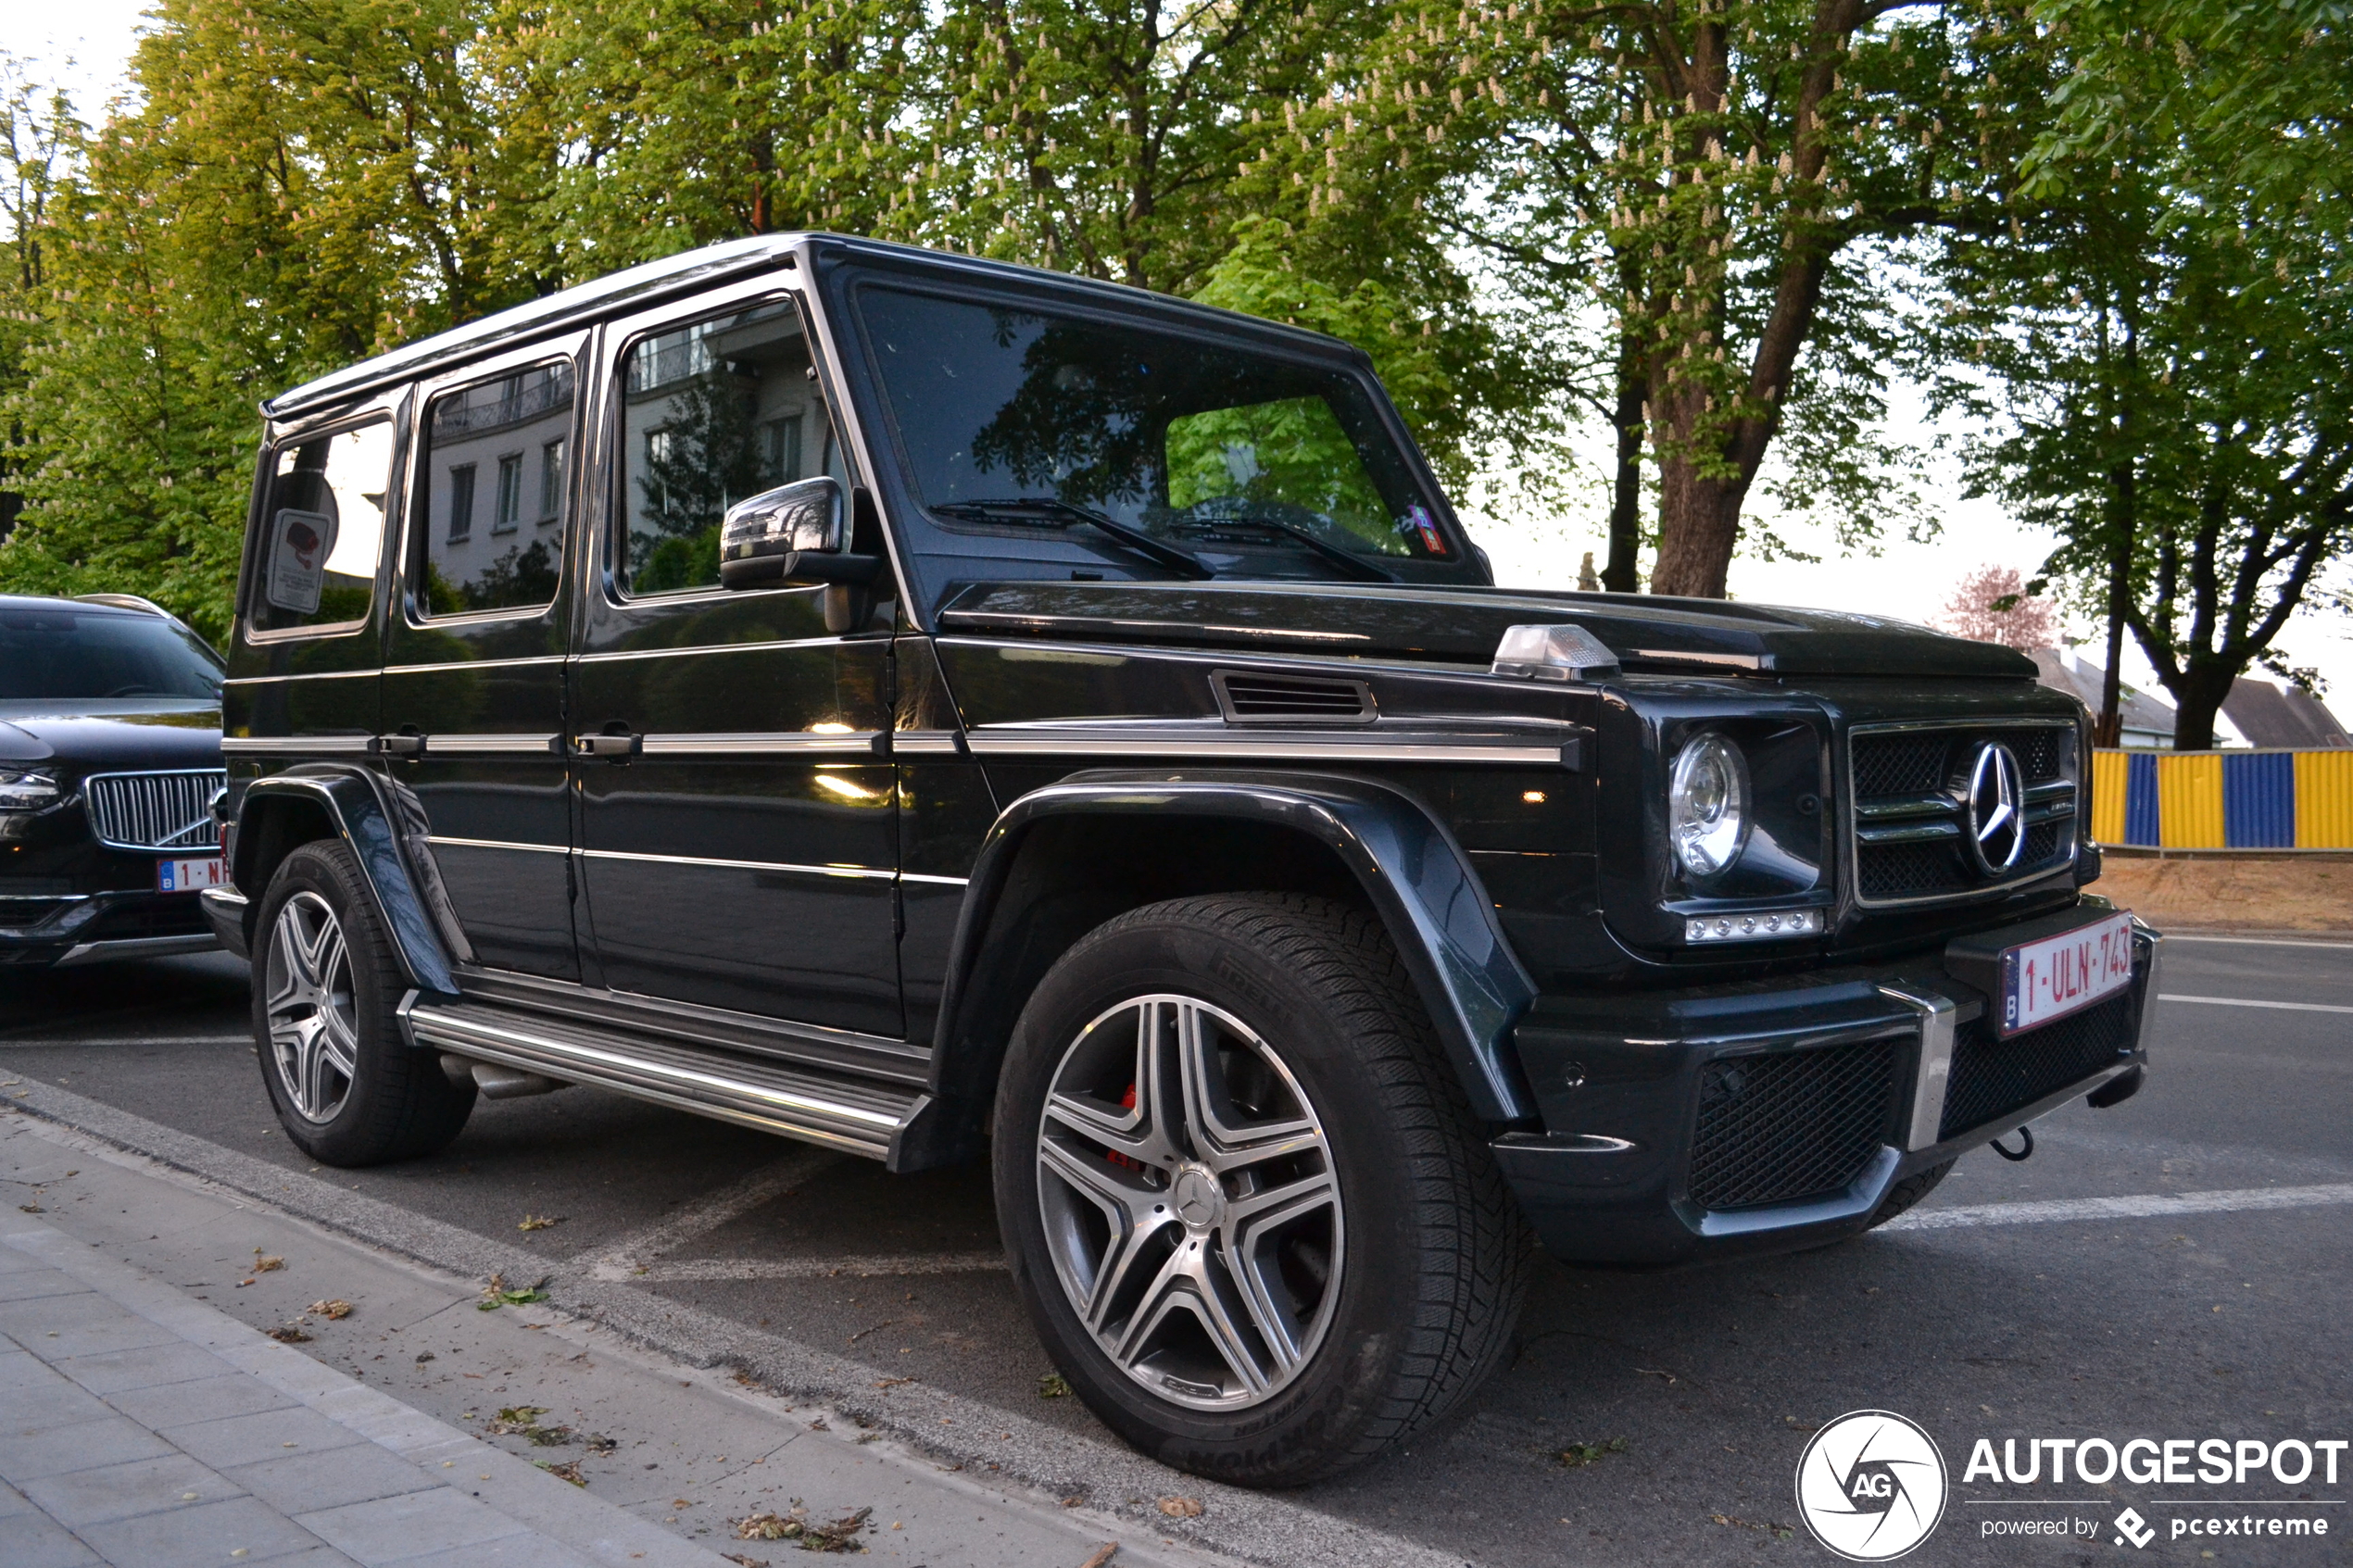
(300, 183)
(2156, 349)
(1698, 202)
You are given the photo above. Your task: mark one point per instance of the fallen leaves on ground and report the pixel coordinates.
(1053, 1385)
(1100, 1555)
(289, 1334)
(838, 1535)
(522, 1421)
(1181, 1508)
(597, 1443)
(568, 1470)
(337, 1309)
(539, 1222)
(262, 1265)
(743, 1561)
(893, 1382)
(1577, 1454)
(498, 1293)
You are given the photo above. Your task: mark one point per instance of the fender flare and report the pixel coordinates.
(382, 823)
(1417, 877)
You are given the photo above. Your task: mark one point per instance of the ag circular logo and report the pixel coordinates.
(1872, 1485)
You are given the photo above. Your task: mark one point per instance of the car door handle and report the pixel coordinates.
(608, 745)
(400, 746)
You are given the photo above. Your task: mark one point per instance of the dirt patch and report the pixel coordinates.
(2234, 892)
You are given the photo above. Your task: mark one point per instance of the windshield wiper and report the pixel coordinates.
(1016, 508)
(1369, 571)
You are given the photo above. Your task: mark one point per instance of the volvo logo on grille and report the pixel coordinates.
(1996, 798)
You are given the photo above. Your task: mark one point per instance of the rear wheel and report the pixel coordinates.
(348, 1089)
(1247, 1206)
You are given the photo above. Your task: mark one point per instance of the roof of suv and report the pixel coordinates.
(711, 264)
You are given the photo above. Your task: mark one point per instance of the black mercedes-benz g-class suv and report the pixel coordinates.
(935, 708)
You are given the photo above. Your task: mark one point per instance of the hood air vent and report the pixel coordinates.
(1250, 698)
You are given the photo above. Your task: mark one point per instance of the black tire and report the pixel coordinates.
(364, 1097)
(1910, 1190)
(1433, 1261)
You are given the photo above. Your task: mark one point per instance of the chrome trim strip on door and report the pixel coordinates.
(457, 843)
(926, 743)
(297, 745)
(867, 873)
(456, 666)
(304, 675)
(1937, 1019)
(762, 744)
(1079, 740)
(540, 746)
(611, 655)
(943, 881)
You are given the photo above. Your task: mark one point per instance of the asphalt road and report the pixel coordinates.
(1654, 1418)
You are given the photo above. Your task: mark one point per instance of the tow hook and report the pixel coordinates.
(2026, 1145)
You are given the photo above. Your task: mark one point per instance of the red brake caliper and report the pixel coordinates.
(1127, 1101)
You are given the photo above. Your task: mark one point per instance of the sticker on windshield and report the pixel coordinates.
(299, 544)
(1418, 521)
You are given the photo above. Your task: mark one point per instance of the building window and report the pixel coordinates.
(782, 440)
(461, 502)
(551, 482)
(509, 509)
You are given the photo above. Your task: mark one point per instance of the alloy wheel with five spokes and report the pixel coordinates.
(313, 1038)
(1190, 1203)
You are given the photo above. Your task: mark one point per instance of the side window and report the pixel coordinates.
(323, 528)
(711, 413)
(489, 446)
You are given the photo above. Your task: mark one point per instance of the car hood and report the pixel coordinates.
(1462, 625)
(104, 734)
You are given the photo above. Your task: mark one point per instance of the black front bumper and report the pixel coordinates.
(89, 928)
(1734, 1120)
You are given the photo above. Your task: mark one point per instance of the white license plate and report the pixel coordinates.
(2047, 980)
(186, 876)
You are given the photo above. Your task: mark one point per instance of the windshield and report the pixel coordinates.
(57, 652)
(1143, 453)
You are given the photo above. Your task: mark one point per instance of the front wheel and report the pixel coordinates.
(348, 1090)
(1247, 1203)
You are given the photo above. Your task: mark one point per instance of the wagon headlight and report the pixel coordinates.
(21, 790)
(1708, 817)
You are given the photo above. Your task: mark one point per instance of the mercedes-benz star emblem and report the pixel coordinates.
(1996, 825)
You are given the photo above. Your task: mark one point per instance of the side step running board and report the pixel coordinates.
(858, 1116)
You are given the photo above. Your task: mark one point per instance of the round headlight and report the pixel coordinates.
(1707, 805)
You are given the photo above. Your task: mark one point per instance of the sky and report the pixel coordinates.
(87, 45)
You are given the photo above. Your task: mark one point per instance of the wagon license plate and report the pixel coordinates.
(187, 876)
(2047, 980)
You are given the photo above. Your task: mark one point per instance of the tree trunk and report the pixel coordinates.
(1699, 520)
(2198, 698)
(1623, 575)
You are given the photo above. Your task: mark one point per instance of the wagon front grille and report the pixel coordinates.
(154, 810)
(1910, 817)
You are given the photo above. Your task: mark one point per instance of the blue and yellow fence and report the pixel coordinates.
(2223, 799)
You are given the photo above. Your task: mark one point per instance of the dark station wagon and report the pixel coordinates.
(944, 710)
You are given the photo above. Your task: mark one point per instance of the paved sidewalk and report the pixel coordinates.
(142, 1427)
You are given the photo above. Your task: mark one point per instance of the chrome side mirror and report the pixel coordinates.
(783, 536)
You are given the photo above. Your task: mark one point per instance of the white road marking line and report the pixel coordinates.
(820, 1268)
(2139, 1206)
(2261, 941)
(622, 1259)
(2246, 1002)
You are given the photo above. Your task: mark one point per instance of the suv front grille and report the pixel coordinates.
(154, 810)
(1910, 815)
(1992, 1077)
(1784, 1125)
